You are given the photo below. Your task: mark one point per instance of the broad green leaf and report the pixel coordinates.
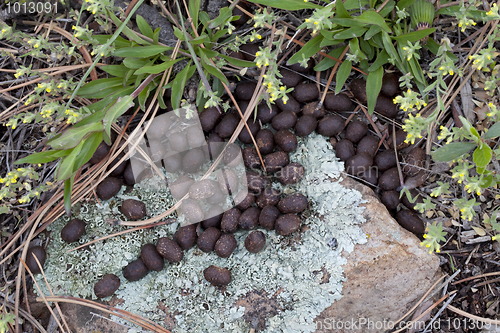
(97, 106)
(68, 189)
(308, 50)
(417, 71)
(388, 8)
(115, 70)
(67, 165)
(88, 149)
(141, 51)
(218, 34)
(118, 43)
(144, 26)
(328, 34)
(136, 63)
(224, 14)
(327, 42)
(143, 96)
(465, 123)
(200, 40)
(179, 34)
(474, 132)
(374, 82)
(405, 3)
(287, 4)
(327, 62)
(95, 88)
(209, 53)
(351, 33)
(71, 137)
(390, 49)
(482, 155)
(413, 36)
(354, 48)
(345, 22)
(355, 4)
(179, 83)
(487, 181)
(194, 10)
(367, 48)
(43, 157)
(93, 118)
(126, 30)
(493, 131)
(155, 69)
(340, 10)
(372, 17)
(342, 75)
(432, 45)
(374, 29)
(213, 70)
(237, 62)
(452, 151)
(381, 60)
(121, 105)
(156, 36)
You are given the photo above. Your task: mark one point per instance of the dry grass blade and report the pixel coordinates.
(42, 298)
(411, 322)
(28, 317)
(169, 221)
(420, 301)
(475, 318)
(334, 70)
(50, 290)
(133, 318)
(476, 277)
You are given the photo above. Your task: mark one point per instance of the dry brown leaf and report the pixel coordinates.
(467, 104)
(479, 231)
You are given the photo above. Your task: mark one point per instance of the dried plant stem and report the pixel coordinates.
(334, 70)
(420, 301)
(411, 322)
(133, 318)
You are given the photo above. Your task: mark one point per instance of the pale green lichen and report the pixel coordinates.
(197, 306)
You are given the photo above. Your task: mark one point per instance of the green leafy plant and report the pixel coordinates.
(434, 234)
(134, 80)
(373, 38)
(5, 319)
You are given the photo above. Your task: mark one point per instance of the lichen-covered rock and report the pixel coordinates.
(391, 266)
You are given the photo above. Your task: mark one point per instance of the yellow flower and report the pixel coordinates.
(49, 90)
